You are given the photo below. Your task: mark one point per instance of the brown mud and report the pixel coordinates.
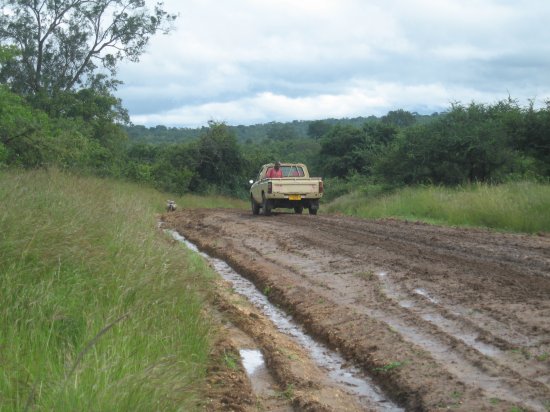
(440, 318)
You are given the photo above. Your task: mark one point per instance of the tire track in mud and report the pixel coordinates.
(453, 348)
(459, 320)
(453, 325)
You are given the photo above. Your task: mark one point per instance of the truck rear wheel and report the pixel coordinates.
(255, 206)
(313, 207)
(266, 206)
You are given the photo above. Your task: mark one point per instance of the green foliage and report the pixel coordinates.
(3, 154)
(533, 138)
(281, 131)
(474, 143)
(158, 135)
(231, 360)
(298, 150)
(24, 132)
(7, 53)
(346, 150)
(30, 138)
(64, 43)
(336, 187)
(89, 105)
(341, 151)
(391, 366)
(318, 129)
(219, 161)
(485, 143)
(399, 118)
(97, 310)
(252, 134)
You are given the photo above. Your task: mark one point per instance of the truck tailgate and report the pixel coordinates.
(295, 186)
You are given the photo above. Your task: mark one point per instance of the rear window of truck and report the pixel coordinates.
(293, 171)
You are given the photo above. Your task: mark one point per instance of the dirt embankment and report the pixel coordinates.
(439, 317)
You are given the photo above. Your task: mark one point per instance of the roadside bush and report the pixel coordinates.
(336, 187)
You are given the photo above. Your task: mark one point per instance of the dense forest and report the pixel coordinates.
(58, 109)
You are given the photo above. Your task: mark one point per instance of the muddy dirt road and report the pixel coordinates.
(440, 318)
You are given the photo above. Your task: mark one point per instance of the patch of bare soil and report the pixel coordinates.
(439, 317)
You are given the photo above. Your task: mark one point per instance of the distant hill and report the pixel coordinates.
(297, 129)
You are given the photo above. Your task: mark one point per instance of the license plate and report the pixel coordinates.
(294, 197)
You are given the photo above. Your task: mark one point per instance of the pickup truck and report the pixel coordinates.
(295, 190)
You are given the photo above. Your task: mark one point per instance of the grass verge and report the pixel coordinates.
(97, 310)
(516, 207)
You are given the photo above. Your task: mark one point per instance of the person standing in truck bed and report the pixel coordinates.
(276, 171)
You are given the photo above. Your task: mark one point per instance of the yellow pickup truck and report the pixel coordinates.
(294, 190)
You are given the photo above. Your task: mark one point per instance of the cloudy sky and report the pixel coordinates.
(257, 61)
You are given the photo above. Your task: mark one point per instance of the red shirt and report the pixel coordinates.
(274, 173)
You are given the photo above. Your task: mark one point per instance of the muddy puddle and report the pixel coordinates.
(349, 378)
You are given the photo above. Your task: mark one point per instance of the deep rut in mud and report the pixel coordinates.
(438, 317)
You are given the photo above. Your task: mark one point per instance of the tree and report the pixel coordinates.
(173, 168)
(535, 139)
(21, 129)
(317, 129)
(7, 53)
(281, 131)
(63, 44)
(219, 161)
(399, 118)
(468, 144)
(29, 138)
(342, 150)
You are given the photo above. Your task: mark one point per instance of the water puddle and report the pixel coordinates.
(470, 338)
(252, 360)
(256, 370)
(350, 378)
(425, 294)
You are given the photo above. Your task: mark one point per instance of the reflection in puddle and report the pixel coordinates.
(252, 359)
(407, 304)
(349, 377)
(470, 338)
(422, 292)
(254, 365)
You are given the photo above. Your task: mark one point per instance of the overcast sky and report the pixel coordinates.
(257, 61)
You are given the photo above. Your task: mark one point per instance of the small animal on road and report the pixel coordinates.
(171, 206)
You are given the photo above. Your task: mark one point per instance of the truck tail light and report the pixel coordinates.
(269, 187)
(321, 188)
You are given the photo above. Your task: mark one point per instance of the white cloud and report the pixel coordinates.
(360, 100)
(247, 61)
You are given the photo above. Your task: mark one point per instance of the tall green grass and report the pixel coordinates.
(517, 206)
(98, 311)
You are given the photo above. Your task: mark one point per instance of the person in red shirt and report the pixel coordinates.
(275, 171)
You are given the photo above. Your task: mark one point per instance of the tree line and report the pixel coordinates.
(468, 143)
